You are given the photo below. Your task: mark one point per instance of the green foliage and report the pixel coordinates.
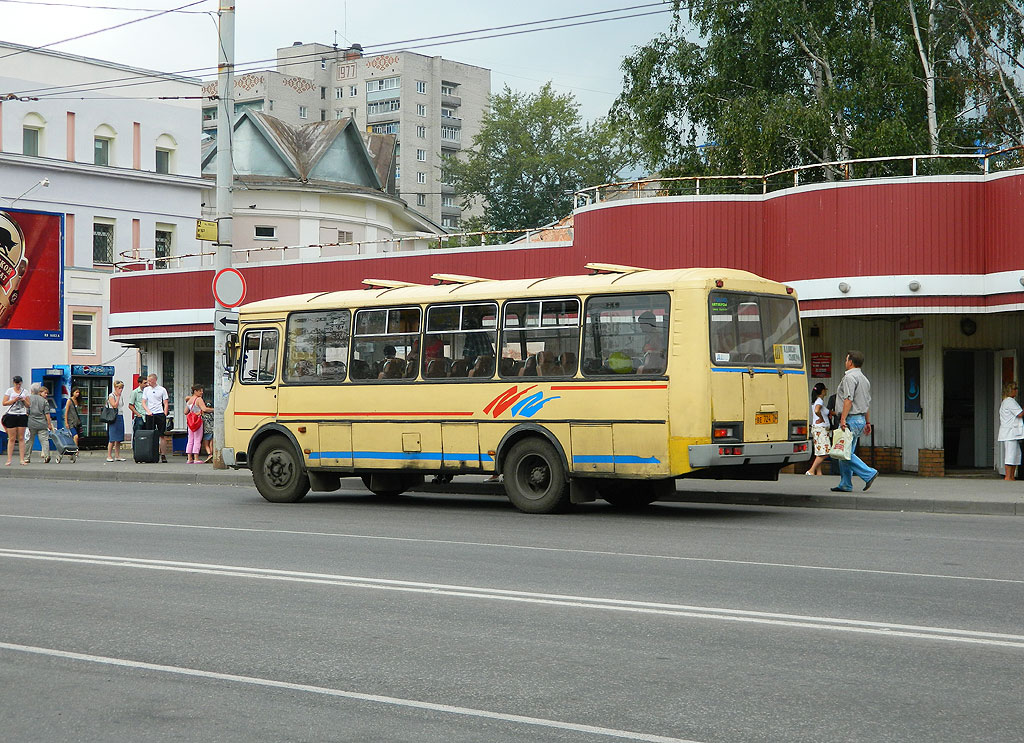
(531, 153)
(774, 84)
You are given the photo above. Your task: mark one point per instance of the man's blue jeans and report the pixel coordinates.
(855, 466)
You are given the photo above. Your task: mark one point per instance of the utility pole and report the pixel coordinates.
(222, 259)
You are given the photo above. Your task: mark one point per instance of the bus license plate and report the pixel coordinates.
(766, 418)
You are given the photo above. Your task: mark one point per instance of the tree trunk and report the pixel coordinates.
(927, 66)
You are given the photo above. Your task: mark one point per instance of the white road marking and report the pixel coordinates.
(499, 545)
(834, 624)
(353, 695)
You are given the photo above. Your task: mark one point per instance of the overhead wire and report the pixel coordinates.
(97, 7)
(101, 30)
(254, 65)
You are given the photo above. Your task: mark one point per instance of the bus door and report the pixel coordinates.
(254, 397)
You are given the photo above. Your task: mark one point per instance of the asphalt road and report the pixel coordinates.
(156, 613)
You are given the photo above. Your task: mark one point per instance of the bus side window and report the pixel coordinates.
(259, 357)
(626, 334)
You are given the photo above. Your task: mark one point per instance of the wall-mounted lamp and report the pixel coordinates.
(1021, 279)
(914, 286)
(45, 183)
(844, 287)
(968, 326)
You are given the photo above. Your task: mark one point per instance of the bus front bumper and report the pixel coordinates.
(774, 452)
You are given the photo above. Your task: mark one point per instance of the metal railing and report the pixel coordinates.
(146, 260)
(838, 170)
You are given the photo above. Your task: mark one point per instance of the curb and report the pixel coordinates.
(853, 502)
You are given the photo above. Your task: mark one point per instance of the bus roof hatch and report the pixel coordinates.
(388, 284)
(454, 278)
(612, 268)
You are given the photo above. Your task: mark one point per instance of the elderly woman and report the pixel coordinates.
(1011, 429)
(39, 422)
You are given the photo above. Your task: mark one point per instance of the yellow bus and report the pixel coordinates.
(607, 385)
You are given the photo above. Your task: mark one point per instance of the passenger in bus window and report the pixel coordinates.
(460, 368)
(568, 363)
(484, 367)
(529, 367)
(547, 364)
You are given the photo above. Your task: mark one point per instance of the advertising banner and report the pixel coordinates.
(31, 275)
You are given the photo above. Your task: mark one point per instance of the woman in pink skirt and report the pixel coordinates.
(195, 404)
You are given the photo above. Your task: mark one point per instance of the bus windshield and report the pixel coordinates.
(754, 329)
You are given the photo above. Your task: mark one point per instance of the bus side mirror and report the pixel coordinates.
(230, 349)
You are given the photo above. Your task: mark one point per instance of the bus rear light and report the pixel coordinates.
(797, 430)
(798, 448)
(730, 450)
(789, 290)
(722, 431)
(719, 283)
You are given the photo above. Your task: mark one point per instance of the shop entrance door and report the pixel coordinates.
(967, 429)
(1005, 370)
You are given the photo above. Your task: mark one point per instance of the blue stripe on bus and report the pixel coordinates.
(401, 455)
(745, 370)
(613, 459)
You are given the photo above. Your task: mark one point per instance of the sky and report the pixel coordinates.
(583, 60)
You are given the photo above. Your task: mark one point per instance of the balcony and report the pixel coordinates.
(451, 100)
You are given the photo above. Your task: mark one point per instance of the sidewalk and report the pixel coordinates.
(963, 495)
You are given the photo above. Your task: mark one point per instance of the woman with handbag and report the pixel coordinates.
(195, 406)
(819, 428)
(15, 420)
(1011, 429)
(115, 422)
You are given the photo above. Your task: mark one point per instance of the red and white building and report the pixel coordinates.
(925, 275)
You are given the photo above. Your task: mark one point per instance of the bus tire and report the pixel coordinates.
(628, 494)
(278, 471)
(535, 477)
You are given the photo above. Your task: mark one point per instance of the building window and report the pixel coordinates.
(302, 112)
(339, 114)
(162, 246)
(383, 107)
(448, 113)
(447, 89)
(421, 177)
(323, 115)
(421, 86)
(451, 133)
(421, 199)
(387, 83)
(209, 114)
(102, 243)
(270, 105)
(421, 109)
(323, 93)
(265, 232)
(163, 161)
(345, 236)
(421, 155)
(450, 222)
(339, 93)
(421, 131)
(353, 90)
(389, 128)
(83, 333)
(30, 141)
(447, 200)
(101, 151)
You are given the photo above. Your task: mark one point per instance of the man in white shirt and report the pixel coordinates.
(156, 402)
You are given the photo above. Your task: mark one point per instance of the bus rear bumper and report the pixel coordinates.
(774, 452)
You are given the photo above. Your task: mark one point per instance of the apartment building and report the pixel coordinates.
(119, 169)
(433, 106)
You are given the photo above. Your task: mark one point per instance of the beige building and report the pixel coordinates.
(433, 106)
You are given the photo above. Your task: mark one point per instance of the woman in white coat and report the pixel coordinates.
(1011, 429)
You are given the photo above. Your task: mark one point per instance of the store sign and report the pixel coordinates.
(31, 275)
(92, 371)
(912, 335)
(821, 365)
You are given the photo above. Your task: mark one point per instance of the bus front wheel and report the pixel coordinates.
(535, 477)
(277, 471)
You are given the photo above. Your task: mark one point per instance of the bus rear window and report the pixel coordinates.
(754, 329)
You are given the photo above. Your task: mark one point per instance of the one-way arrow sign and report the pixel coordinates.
(225, 319)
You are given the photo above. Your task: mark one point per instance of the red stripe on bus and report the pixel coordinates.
(346, 415)
(269, 415)
(612, 387)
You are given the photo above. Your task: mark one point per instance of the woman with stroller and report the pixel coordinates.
(39, 422)
(72, 420)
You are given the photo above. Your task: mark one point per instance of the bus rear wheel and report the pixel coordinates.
(278, 472)
(535, 477)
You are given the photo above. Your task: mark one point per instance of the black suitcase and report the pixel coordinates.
(146, 446)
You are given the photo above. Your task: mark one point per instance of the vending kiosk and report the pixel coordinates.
(95, 382)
